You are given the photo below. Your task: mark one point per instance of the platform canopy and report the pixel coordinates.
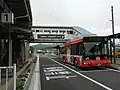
(21, 10)
(117, 35)
(22, 16)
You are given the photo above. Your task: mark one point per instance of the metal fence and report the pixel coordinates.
(8, 69)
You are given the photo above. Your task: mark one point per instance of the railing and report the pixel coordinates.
(7, 68)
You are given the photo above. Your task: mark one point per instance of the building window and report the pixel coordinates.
(62, 31)
(37, 30)
(69, 32)
(54, 31)
(48, 31)
(41, 31)
(33, 30)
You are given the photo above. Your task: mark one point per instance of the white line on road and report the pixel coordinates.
(94, 71)
(96, 82)
(62, 76)
(50, 65)
(47, 78)
(114, 70)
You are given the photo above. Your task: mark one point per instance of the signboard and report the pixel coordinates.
(20, 36)
(94, 39)
(7, 18)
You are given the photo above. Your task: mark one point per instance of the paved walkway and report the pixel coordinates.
(118, 61)
(117, 64)
(10, 82)
(35, 80)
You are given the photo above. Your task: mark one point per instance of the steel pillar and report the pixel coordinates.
(10, 48)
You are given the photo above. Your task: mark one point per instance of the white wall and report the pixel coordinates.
(67, 36)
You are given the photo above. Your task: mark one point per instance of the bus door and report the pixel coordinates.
(81, 53)
(68, 55)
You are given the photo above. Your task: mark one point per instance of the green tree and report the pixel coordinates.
(31, 49)
(118, 49)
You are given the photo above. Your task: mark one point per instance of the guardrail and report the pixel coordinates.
(7, 69)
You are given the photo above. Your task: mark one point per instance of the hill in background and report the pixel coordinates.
(42, 46)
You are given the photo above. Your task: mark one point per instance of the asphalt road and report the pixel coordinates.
(57, 76)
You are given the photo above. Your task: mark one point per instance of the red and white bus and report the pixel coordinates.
(87, 52)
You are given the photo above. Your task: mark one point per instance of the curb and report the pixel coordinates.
(114, 67)
(29, 78)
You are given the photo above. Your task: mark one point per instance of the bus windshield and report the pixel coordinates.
(96, 48)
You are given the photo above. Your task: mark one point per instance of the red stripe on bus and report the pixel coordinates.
(73, 42)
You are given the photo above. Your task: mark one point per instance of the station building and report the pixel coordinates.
(63, 32)
(14, 37)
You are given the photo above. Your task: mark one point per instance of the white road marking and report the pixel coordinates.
(47, 78)
(56, 73)
(58, 77)
(62, 73)
(67, 77)
(47, 74)
(94, 81)
(50, 65)
(72, 76)
(55, 70)
(45, 70)
(114, 70)
(94, 71)
(67, 72)
(52, 73)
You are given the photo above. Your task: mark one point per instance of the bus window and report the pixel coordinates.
(96, 48)
(81, 49)
(74, 49)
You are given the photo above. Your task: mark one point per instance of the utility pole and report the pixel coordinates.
(113, 34)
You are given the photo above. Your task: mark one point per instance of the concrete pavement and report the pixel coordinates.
(10, 81)
(117, 64)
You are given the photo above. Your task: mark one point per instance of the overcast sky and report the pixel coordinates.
(93, 15)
